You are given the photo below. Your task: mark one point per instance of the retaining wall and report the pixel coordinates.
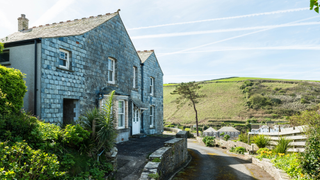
(266, 165)
(172, 156)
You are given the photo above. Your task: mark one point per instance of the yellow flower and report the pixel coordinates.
(302, 175)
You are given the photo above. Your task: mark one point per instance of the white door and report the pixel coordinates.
(136, 122)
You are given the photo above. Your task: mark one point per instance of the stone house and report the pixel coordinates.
(231, 131)
(72, 66)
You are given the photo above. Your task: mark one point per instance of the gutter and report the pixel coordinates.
(142, 89)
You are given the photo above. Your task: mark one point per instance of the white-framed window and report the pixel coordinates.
(121, 114)
(151, 116)
(111, 70)
(64, 59)
(134, 76)
(151, 86)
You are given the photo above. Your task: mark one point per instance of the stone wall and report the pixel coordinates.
(172, 156)
(266, 165)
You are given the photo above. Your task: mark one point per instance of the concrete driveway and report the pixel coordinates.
(212, 163)
(132, 155)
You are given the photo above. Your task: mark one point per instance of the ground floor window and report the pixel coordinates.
(121, 114)
(151, 116)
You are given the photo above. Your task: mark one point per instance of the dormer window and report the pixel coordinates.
(64, 59)
(111, 70)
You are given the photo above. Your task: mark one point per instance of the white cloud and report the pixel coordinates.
(219, 19)
(51, 13)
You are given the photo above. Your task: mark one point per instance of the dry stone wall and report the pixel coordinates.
(172, 156)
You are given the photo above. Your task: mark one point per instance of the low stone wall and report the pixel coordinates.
(176, 130)
(266, 165)
(172, 156)
(229, 144)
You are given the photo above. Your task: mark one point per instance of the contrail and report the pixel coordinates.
(222, 30)
(219, 19)
(234, 37)
(258, 48)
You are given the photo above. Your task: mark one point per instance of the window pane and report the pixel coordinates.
(110, 75)
(110, 65)
(120, 120)
(62, 62)
(151, 111)
(151, 120)
(4, 57)
(120, 107)
(62, 55)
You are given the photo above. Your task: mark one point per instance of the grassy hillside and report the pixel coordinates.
(226, 101)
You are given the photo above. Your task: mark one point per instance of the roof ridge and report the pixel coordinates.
(61, 22)
(146, 51)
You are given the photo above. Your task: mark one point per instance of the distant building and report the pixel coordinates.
(267, 129)
(231, 131)
(211, 132)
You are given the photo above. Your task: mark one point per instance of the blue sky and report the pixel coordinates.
(200, 39)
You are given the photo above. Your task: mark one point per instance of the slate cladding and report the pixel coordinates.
(86, 80)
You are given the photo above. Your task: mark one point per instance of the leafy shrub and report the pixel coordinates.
(303, 101)
(20, 161)
(257, 101)
(187, 129)
(282, 145)
(261, 141)
(12, 90)
(222, 134)
(208, 140)
(240, 150)
(226, 137)
(74, 135)
(243, 137)
(290, 164)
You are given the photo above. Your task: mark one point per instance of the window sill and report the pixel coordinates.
(152, 127)
(65, 69)
(5, 63)
(118, 128)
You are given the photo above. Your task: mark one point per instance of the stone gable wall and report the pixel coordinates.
(152, 69)
(88, 68)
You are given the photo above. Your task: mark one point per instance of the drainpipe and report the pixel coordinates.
(142, 89)
(35, 76)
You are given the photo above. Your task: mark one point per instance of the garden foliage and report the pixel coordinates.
(12, 90)
(226, 137)
(238, 150)
(282, 145)
(261, 141)
(208, 140)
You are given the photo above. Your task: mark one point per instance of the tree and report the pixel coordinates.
(314, 5)
(189, 92)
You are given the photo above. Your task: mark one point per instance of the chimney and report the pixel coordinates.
(23, 23)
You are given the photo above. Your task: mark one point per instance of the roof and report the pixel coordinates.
(210, 129)
(139, 103)
(62, 29)
(228, 129)
(144, 55)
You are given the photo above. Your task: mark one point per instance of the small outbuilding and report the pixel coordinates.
(231, 131)
(210, 132)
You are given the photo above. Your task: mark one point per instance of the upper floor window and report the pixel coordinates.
(64, 59)
(151, 86)
(4, 56)
(111, 70)
(151, 116)
(121, 114)
(134, 77)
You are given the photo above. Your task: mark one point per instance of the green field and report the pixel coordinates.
(225, 100)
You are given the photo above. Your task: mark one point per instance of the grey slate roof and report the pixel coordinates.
(62, 29)
(228, 129)
(210, 129)
(144, 55)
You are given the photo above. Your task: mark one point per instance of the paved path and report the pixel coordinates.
(211, 163)
(132, 155)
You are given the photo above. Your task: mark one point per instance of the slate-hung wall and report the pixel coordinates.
(152, 69)
(87, 74)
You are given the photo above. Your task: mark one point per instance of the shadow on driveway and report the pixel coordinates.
(132, 155)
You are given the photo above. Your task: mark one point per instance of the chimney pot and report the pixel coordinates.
(23, 23)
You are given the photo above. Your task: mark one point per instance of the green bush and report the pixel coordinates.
(12, 90)
(282, 145)
(240, 150)
(262, 149)
(74, 135)
(226, 137)
(187, 129)
(20, 161)
(257, 101)
(243, 137)
(261, 141)
(209, 140)
(222, 134)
